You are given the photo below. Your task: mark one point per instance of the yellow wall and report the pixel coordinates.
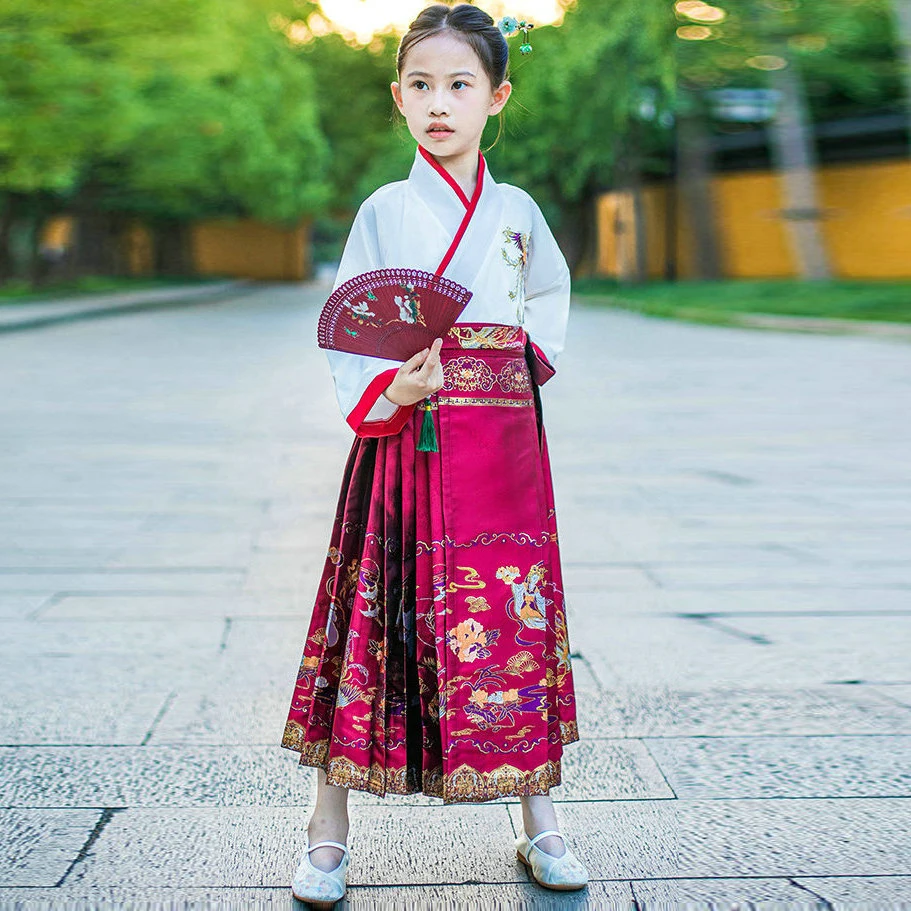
(867, 224)
(251, 249)
(242, 248)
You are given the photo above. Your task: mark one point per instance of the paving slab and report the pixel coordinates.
(31, 314)
(836, 648)
(76, 699)
(107, 606)
(21, 640)
(220, 712)
(736, 838)
(151, 776)
(660, 712)
(429, 897)
(860, 893)
(694, 650)
(41, 845)
(734, 555)
(201, 580)
(896, 693)
(721, 894)
(17, 607)
(240, 847)
(805, 766)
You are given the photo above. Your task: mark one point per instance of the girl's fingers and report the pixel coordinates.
(433, 358)
(415, 362)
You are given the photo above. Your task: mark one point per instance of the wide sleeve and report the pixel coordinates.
(547, 290)
(360, 380)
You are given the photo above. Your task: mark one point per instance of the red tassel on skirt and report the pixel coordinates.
(437, 658)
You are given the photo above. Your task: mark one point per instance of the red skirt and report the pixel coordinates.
(437, 658)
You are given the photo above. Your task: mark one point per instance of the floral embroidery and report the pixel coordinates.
(361, 312)
(514, 377)
(468, 373)
(469, 640)
(409, 306)
(519, 262)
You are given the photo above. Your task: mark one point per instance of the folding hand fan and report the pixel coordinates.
(390, 313)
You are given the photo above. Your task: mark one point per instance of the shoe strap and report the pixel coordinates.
(328, 844)
(540, 835)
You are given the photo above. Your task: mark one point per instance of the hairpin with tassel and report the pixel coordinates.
(510, 26)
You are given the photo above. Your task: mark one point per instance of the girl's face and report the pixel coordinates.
(446, 95)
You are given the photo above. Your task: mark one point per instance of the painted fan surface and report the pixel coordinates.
(390, 313)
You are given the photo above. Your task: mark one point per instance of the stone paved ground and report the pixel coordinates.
(735, 513)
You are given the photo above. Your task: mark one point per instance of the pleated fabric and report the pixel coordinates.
(437, 658)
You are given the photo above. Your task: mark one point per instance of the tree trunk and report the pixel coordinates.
(173, 251)
(793, 150)
(8, 215)
(91, 236)
(902, 12)
(578, 234)
(38, 267)
(671, 214)
(694, 179)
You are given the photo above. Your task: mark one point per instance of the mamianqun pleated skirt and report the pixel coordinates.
(438, 658)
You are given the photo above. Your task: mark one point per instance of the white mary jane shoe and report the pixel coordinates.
(564, 873)
(320, 888)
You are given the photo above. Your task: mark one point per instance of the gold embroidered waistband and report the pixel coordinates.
(498, 337)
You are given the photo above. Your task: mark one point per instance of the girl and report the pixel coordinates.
(437, 658)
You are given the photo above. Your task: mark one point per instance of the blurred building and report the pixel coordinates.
(232, 247)
(864, 181)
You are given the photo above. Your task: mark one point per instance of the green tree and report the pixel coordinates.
(369, 142)
(823, 59)
(590, 110)
(156, 108)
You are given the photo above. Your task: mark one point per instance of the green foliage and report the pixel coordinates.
(846, 50)
(369, 145)
(175, 110)
(579, 98)
(160, 107)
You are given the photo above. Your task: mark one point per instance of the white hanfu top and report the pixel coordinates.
(506, 256)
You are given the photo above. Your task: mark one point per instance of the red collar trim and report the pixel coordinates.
(466, 218)
(452, 181)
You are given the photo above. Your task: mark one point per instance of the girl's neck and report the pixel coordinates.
(463, 168)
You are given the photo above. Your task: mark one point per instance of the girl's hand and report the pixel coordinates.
(418, 377)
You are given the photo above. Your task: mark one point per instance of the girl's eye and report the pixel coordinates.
(458, 84)
(419, 84)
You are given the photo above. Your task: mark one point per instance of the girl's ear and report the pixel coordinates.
(500, 97)
(397, 95)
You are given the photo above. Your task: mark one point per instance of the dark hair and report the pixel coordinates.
(473, 26)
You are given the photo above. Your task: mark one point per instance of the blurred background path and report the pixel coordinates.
(735, 516)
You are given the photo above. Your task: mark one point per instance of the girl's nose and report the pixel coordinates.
(439, 105)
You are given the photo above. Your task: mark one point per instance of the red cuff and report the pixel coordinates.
(384, 428)
(541, 368)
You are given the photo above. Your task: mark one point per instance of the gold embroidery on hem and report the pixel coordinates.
(465, 400)
(464, 785)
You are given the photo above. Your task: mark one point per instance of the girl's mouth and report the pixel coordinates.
(439, 130)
